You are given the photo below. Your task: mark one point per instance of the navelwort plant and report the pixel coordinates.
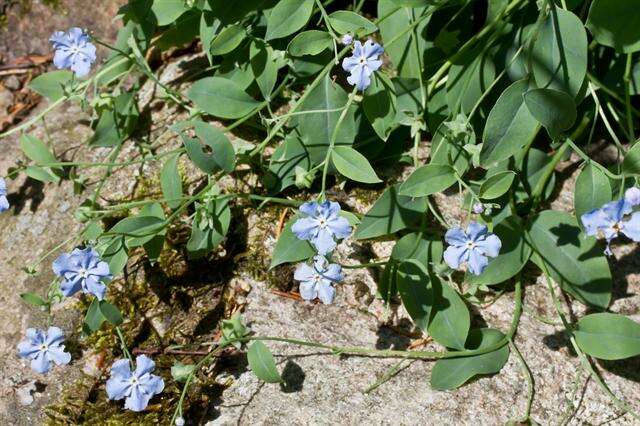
(339, 90)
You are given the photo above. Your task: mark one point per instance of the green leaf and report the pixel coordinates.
(416, 292)
(51, 84)
(510, 126)
(608, 336)
(344, 21)
(264, 67)
(33, 299)
(288, 17)
(469, 77)
(559, 56)
(221, 97)
(310, 42)
(317, 128)
(289, 248)
(514, 254)
(380, 105)
(631, 162)
(391, 213)
(554, 109)
(496, 185)
(114, 252)
(574, 260)
(353, 165)
(227, 40)
(262, 363)
(38, 173)
(450, 321)
(170, 182)
(116, 124)
(592, 190)
(450, 373)
(288, 156)
(37, 151)
(615, 23)
(139, 229)
(181, 372)
(427, 180)
(405, 53)
(167, 11)
(222, 153)
(110, 312)
(93, 318)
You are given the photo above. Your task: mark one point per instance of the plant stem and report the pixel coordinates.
(627, 96)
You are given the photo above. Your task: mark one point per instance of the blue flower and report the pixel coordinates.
(321, 224)
(43, 349)
(472, 247)
(609, 222)
(4, 202)
(137, 386)
(316, 281)
(632, 196)
(347, 39)
(73, 50)
(83, 270)
(363, 63)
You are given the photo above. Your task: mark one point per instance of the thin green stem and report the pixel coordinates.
(123, 345)
(627, 96)
(365, 265)
(530, 385)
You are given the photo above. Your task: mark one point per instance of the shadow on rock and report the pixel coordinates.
(293, 378)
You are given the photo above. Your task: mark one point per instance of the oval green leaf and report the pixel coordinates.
(427, 180)
(608, 336)
(262, 363)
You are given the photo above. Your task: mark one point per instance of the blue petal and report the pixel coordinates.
(308, 290)
(615, 210)
(26, 349)
(326, 293)
(631, 228)
(81, 66)
(360, 77)
(61, 264)
(62, 58)
(324, 241)
(372, 50)
(101, 269)
(55, 336)
(71, 287)
(477, 262)
(593, 221)
(93, 285)
(340, 227)
(304, 272)
(456, 237)
(152, 384)
(349, 63)
(58, 355)
(632, 196)
(137, 400)
(333, 273)
(489, 246)
(357, 49)
(58, 39)
(41, 364)
(121, 368)
(4, 204)
(309, 208)
(305, 228)
(455, 255)
(118, 388)
(374, 64)
(475, 230)
(144, 365)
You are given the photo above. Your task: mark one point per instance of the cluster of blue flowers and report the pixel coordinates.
(83, 270)
(73, 51)
(615, 218)
(321, 225)
(364, 60)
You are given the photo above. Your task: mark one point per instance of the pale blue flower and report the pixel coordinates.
(73, 50)
(4, 202)
(478, 208)
(347, 39)
(473, 247)
(321, 224)
(632, 196)
(44, 349)
(608, 221)
(137, 386)
(316, 280)
(83, 270)
(363, 63)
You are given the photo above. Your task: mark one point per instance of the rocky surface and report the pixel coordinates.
(178, 301)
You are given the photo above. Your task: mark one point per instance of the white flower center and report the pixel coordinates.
(134, 381)
(471, 245)
(44, 347)
(322, 222)
(363, 60)
(83, 273)
(317, 278)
